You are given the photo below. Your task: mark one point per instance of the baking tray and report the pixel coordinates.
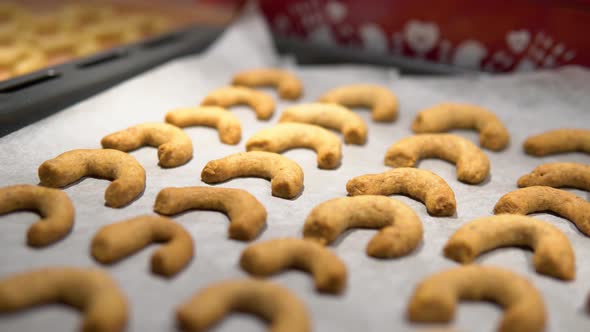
(378, 290)
(311, 53)
(31, 97)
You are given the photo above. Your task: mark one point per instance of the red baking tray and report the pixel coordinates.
(494, 36)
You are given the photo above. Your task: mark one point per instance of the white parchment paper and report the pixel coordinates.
(378, 290)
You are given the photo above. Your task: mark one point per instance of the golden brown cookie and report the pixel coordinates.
(116, 241)
(542, 198)
(262, 103)
(226, 123)
(558, 141)
(54, 206)
(286, 136)
(127, 174)
(400, 228)
(435, 298)
(79, 15)
(108, 34)
(422, 185)
(286, 177)
(554, 255)
(148, 24)
(382, 101)
(175, 147)
(31, 60)
(13, 13)
(269, 257)
(444, 117)
(273, 303)
(572, 175)
(92, 291)
(247, 215)
(288, 85)
(332, 116)
(12, 58)
(473, 166)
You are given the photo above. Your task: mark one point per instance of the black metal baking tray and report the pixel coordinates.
(307, 52)
(29, 98)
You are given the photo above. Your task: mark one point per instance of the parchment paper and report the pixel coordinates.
(378, 290)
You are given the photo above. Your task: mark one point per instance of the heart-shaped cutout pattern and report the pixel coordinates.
(518, 40)
(421, 36)
(469, 54)
(336, 11)
(373, 38)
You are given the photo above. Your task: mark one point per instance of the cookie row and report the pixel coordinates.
(332, 112)
(104, 307)
(248, 216)
(434, 299)
(286, 175)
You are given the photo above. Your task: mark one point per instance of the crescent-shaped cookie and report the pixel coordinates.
(273, 303)
(554, 255)
(262, 103)
(419, 184)
(116, 241)
(473, 166)
(542, 198)
(382, 101)
(288, 85)
(572, 175)
(227, 124)
(286, 176)
(400, 228)
(558, 141)
(285, 136)
(246, 213)
(175, 147)
(54, 206)
(92, 291)
(269, 257)
(127, 174)
(435, 298)
(444, 117)
(332, 116)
